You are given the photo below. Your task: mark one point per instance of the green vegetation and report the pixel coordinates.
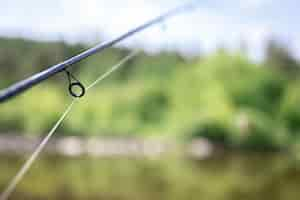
(224, 97)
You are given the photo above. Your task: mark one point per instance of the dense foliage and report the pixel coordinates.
(224, 97)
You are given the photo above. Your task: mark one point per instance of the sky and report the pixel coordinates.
(216, 23)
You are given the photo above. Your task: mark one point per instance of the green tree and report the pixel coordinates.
(279, 57)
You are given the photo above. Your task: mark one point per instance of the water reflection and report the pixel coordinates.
(224, 177)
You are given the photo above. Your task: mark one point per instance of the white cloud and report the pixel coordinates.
(254, 4)
(206, 28)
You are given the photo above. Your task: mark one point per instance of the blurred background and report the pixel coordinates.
(209, 108)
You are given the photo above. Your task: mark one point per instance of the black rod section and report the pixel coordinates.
(21, 86)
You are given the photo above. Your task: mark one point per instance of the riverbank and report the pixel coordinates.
(106, 147)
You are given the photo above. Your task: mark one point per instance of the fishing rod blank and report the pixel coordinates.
(21, 86)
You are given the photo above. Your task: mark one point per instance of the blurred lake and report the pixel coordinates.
(226, 176)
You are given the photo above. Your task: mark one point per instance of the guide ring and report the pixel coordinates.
(75, 85)
(77, 94)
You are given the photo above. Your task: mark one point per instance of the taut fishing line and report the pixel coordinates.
(24, 169)
(21, 173)
(74, 85)
(38, 78)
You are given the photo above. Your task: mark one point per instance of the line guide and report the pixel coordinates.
(24, 85)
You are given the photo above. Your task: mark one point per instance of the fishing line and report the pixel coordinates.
(24, 169)
(35, 79)
(114, 68)
(38, 78)
(12, 185)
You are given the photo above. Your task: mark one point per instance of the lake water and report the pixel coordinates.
(223, 177)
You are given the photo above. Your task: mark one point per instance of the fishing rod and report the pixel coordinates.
(26, 84)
